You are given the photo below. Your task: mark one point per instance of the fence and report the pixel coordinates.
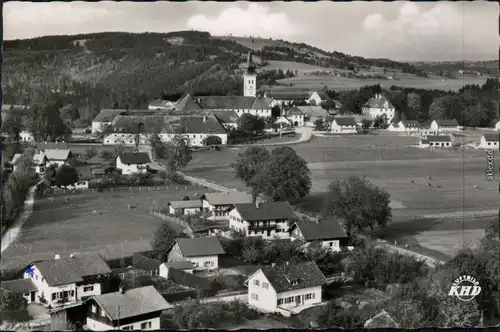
(178, 221)
(56, 191)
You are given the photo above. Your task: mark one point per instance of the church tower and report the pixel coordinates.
(250, 79)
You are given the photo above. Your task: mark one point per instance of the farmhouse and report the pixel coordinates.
(344, 125)
(203, 252)
(239, 104)
(25, 287)
(57, 157)
(200, 130)
(134, 309)
(67, 280)
(185, 266)
(328, 233)
(286, 288)
(445, 125)
(229, 119)
(185, 207)
(435, 141)
(269, 220)
(317, 97)
(221, 203)
(490, 141)
(104, 118)
(132, 162)
(379, 106)
(405, 126)
(296, 116)
(312, 113)
(39, 162)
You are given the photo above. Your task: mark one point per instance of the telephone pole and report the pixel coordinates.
(138, 135)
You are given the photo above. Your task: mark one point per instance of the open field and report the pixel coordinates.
(391, 162)
(341, 83)
(58, 228)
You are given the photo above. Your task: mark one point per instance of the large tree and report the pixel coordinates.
(66, 176)
(177, 152)
(413, 106)
(249, 163)
(284, 177)
(45, 123)
(359, 203)
(163, 239)
(13, 307)
(251, 124)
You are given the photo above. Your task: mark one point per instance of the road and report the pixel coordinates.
(306, 135)
(12, 234)
(430, 261)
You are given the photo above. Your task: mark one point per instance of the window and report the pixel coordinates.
(255, 297)
(127, 328)
(208, 263)
(88, 288)
(280, 301)
(265, 285)
(103, 314)
(309, 296)
(54, 296)
(94, 309)
(256, 282)
(145, 325)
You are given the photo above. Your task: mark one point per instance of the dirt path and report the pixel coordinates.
(12, 234)
(305, 135)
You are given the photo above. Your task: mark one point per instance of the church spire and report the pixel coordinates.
(250, 63)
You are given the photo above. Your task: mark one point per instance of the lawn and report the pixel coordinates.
(289, 65)
(342, 83)
(260, 323)
(57, 228)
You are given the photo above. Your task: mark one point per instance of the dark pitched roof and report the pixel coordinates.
(381, 319)
(195, 203)
(199, 228)
(438, 138)
(294, 276)
(52, 146)
(294, 111)
(187, 103)
(142, 262)
(134, 157)
(226, 116)
(378, 102)
(19, 286)
(227, 198)
(324, 230)
(161, 103)
(134, 302)
(197, 125)
(289, 95)
(492, 137)
(265, 211)
(424, 141)
(72, 269)
(345, 120)
(411, 123)
(447, 122)
(260, 103)
(107, 115)
(225, 102)
(313, 111)
(323, 95)
(200, 246)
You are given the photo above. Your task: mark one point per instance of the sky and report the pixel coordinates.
(404, 31)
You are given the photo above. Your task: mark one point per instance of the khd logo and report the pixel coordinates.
(465, 288)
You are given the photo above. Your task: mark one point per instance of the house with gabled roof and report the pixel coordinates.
(203, 252)
(57, 157)
(490, 141)
(328, 233)
(286, 288)
(39, 162)
(445, 125)
(132, 162)
(104, 118)
(317, 97)
(220, 204)
(266, 219)
(436, 141)
(133, 309)
(185, 207)
(185, 266)
(159, 104)
(344, 125)
(296, 116)
(61, 281)
(379, 106)
(229, 119)
(405, 126)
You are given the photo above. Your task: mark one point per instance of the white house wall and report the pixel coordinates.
(301, 292)
(98, 326)
(129, 139)
(80, 293)
(199, 262)
(267, 299)
(343, 129)
(129, 169)
(488, 144)
(98, 126)
(242, 225)
(376, 112)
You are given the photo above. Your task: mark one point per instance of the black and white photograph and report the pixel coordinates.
(249, 165)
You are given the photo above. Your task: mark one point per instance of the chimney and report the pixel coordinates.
(204, 118)
(257, 203)
(57, 256)
(273, 264)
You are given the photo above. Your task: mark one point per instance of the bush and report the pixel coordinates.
(195, 315)
(206, 286)
(181, 295)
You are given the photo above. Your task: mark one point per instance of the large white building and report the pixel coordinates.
(285, 289)
(132, 162)
(268, 220)
(67, 280)
(445, 125)
(328, 233)
(344, 125)
(220, 204)
(379, 106)
(490, 141)
(134, 309)
(408, 126)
